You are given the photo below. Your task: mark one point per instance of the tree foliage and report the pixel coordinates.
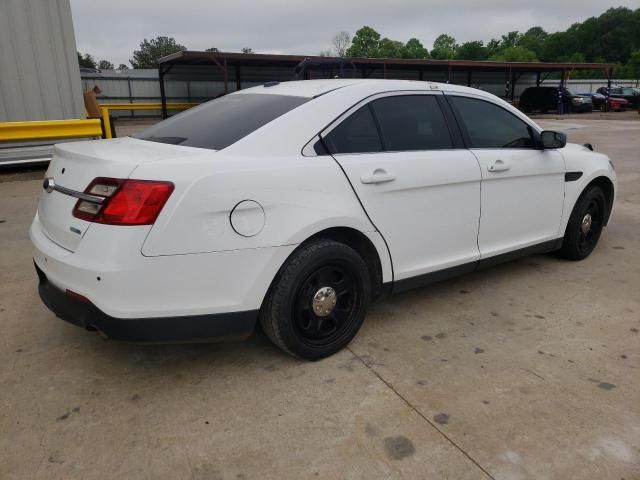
(122, 66)
(86, 61)
(152, 50)
(633, 65)
(474, 50)
(444, 47)
(106, 65)
(365, 43)
(613, 37)
(515, 54)
(414, 49)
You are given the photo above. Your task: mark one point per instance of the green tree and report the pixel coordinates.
(246, 50)
(632, 68)
(106, 65)
(153, 50)
(212, 49)
(390, 48)
(86, 61)
(493, 47)
(533, 39)
(510, 40)
(365, 43)
(577, 57)
(474, 50)
(556, 48)
(444, 47)
(536, 32)
(414, 49)
(122, 66)
(515, 54)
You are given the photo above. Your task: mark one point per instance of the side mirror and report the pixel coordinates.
(551, 139)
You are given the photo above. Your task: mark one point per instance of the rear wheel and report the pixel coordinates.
(585, 225)
(318, 300)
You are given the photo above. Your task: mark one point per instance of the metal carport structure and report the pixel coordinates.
(241, 70)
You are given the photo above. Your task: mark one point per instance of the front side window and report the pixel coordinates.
(490, 126)
(221, 122)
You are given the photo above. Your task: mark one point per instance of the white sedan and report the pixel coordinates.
(296, 204)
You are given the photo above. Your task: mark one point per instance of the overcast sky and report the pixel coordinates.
(112, 29)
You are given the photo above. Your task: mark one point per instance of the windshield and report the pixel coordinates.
(221, 122)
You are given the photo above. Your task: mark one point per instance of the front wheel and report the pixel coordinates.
(318, 300)
(585, 225)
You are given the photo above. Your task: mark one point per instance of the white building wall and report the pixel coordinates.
(39, 74)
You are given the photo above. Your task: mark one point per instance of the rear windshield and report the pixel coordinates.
(221, 122)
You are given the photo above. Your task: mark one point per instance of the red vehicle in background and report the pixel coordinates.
(615, 104)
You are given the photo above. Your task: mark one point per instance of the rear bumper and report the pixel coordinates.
(83, 313)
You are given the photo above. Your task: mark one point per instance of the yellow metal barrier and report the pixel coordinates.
(50, 129)
(106, 107)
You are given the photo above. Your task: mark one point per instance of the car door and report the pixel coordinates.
(419, 187)
(522, 185)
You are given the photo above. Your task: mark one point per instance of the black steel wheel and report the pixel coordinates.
(325, 304)
(585, 225)
(318, 300)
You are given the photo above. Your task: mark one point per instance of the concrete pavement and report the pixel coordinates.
(529, 370)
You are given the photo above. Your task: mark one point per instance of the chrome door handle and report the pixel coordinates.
(498, 166)
(379, 175)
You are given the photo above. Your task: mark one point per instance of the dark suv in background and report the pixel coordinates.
(631, 95)
(543, 99)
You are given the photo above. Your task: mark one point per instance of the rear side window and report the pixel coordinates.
(221, 122)
(490, 126)
(397, 123)
(357, 134)
(411, 122)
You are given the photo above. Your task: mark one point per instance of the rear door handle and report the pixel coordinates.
(379, 175)
(498, 166)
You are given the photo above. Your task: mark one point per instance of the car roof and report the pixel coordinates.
(315, 88)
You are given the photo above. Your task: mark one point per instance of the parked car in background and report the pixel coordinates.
(600, 102)
(544, 99)
(631, 95)
(296, 204)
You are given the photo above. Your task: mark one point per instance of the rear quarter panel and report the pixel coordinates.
(300, 196)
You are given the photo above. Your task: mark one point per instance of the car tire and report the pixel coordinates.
(585, 225)
(318, 300)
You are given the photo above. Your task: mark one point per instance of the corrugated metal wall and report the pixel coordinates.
(135, 86)
(39, 74)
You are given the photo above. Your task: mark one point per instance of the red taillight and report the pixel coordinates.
(126, 202)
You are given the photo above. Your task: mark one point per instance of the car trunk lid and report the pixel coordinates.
(74, 165)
